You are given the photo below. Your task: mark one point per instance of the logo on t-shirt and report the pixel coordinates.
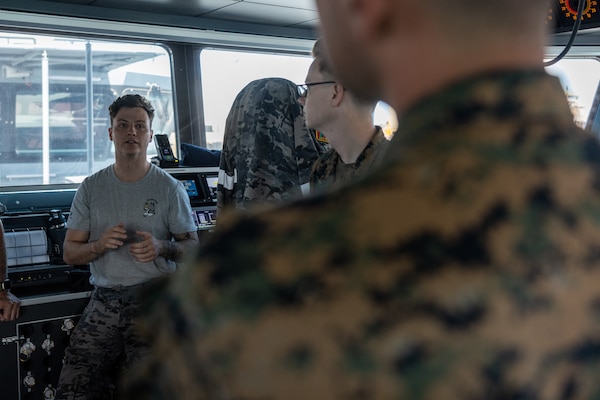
(150, 207)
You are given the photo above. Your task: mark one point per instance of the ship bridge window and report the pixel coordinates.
(226, 72)
(580, 78)
(54, 98)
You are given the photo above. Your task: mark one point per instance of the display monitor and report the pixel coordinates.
(191, 186)
(211, 184)
(200, 184)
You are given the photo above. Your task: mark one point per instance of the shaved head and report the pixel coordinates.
(398, 50)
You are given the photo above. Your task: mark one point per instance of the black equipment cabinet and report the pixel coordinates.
(53, 296)
(33, 346)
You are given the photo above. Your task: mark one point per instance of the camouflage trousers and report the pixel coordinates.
(103, 342)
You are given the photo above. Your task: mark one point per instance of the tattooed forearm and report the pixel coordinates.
(175, 250)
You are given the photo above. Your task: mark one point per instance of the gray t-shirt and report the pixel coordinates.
(158, 204)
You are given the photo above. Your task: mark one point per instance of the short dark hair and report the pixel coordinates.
(131, 101)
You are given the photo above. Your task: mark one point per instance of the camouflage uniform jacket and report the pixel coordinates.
(330, 172)
(466, 267)
(267, 152)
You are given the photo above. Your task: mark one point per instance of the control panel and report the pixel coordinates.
(205, 218)
(201, 186)
(32, 347)
(41, 349)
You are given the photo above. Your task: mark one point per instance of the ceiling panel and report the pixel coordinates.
(298, 18)
(304, 4)
(179, 7)
(264, 13)
(273, 12)
(83, 2)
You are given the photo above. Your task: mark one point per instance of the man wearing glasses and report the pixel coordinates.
(345, 120)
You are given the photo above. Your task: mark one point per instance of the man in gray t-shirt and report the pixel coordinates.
(131, 222)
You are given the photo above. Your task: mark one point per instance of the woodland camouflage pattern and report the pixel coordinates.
(329, 172)
(466, 267)
(108, 314)
(266, 146)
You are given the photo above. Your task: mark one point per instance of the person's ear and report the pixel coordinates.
(110, 134)
(337, 94)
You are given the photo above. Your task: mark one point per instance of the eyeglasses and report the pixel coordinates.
(303, 89)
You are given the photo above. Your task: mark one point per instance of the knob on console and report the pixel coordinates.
(68, 325)
(49, 393)
(26, 350)
(29, 380)
(48, 344)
